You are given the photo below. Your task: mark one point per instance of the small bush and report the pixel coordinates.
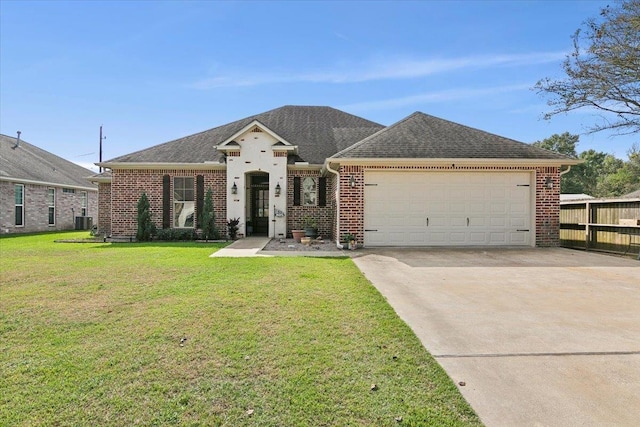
(232, 226)
(177, 234)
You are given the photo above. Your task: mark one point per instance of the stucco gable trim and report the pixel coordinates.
(231, 144)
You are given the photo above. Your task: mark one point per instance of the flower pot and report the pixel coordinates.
(311, 232)
(297, 235)
(305, 240)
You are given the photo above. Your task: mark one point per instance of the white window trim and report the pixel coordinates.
(17, 204)
(173, 205)
(51, 204)
(84, 203)
(304, 200)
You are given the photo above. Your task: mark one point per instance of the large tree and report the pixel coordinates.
(603, 71)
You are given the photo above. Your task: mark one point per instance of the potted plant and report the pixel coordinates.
(310, 226)
(297, 235)
(350, 240)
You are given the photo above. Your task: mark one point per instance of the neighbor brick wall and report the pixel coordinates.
(104, 209)
(323, 214)
(128, 185)
(547, 200)
(36, 208)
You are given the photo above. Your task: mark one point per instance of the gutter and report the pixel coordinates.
(337, 174)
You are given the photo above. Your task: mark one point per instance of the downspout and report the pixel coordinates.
(337, 174)
(568, 169)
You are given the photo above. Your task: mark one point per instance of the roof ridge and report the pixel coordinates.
(381, 131)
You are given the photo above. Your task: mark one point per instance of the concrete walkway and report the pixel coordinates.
(254, 247)
(247, 247)
(532, 337)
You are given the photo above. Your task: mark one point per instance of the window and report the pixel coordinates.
(309, 191)
(83, 203)
(51, 201)
(69, 190)
(18, 190)
(183, 202)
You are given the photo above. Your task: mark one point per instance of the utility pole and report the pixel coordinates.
(100, 155)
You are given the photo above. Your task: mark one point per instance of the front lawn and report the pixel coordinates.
(161, 334)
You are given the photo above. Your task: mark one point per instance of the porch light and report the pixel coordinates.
(234, 188)
(278, 190)
(352, 182)
(549, 182)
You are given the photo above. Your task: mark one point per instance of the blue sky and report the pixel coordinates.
(150, 72)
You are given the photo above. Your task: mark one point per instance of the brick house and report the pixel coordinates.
(40, 191)
(423, 181)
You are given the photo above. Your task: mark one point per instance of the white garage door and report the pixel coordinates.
(447, 208)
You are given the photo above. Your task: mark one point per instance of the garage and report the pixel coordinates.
(466, 208)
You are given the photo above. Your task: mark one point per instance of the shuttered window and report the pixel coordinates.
(322, 191)
(166, 201)
(296, 191)
(199, 198)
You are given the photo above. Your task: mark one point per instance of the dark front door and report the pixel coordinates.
(260, 204)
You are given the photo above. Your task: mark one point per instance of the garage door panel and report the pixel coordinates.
(447, 208)
(497, 238)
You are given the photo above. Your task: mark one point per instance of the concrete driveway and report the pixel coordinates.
(538, 337)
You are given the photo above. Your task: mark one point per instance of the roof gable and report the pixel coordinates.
(26, 162)
(318, 132)
(423, 136)
(254, 126)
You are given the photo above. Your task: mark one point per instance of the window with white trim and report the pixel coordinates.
(18, 191)
(83, 203)
(51, 202)
(183, 202)
(309, 191)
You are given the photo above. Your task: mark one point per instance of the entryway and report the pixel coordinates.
(258, 204)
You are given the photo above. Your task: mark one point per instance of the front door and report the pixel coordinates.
(260, 204)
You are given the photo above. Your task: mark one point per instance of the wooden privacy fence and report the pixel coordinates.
(611, 225)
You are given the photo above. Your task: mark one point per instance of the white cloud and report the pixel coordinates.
(432, 97)
(380, 69)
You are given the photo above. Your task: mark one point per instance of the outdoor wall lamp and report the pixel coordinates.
(234, 188)
(352, 182)
(278, 190)
(549, 182)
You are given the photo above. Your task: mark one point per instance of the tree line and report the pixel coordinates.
(602, 74)
(601, 174)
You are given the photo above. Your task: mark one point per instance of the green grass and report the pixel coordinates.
(90, 335)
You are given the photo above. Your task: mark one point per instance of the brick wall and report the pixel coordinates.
(128, 185)
(547, 200)
(547, 206)
(323, 214)
(352, 202)
(104, 209)
(36, 208)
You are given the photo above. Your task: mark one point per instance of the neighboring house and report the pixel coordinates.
(40, 191)
(632, 195)
(423, 181)
(569, 197)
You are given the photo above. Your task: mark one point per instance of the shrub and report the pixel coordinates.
(208, 225)
(177, 234)
(232, 226)
(146, 227)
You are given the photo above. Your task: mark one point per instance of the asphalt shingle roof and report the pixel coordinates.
(319, 132)
(28, 162)
(424, 136)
